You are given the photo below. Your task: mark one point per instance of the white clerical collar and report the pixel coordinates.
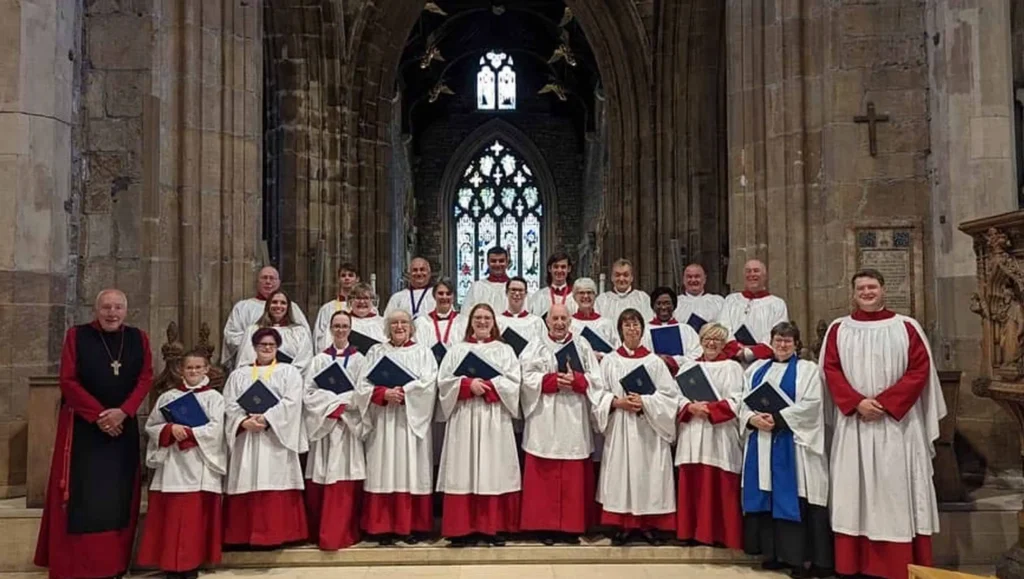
(689, 295)
(623, 294)
(202, 383)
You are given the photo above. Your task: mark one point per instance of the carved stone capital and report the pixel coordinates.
(979, 386)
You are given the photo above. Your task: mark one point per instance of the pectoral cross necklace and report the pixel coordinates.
(115, 364)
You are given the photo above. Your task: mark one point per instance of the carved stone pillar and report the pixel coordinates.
(999, 247)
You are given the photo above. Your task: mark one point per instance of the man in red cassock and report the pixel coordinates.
(92, 498)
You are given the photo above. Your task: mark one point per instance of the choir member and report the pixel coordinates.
(558, 290)
(335, 425)
(348, 277)
(695, 302)
(279, 313)
(636, 485)
(442, 325)
(247, 312)
(183, 520)
(491, 289)
(881, 374)
(417, 299)
(529, 326)
(365, 319)
(92, 496)
(584, 291)
(264, 505)
(785, 469)
(709, 450)
(399, 451)
(754, 309)
(623, 296)
(663, 302)
(479, 470)
(558, 474)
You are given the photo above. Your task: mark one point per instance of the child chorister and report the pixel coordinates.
(183, 525)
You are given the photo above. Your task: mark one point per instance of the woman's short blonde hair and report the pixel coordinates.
(392, 317)
(714, 330)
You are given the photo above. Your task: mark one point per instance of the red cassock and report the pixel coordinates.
(92, 497)
(859, 554)
(265, 518)
(332, 510)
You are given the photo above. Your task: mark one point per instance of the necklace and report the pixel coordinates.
(114, 364)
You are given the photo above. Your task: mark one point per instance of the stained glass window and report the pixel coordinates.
(497, 203)
(496, 83)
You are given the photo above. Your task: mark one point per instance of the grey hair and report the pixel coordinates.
(584, 284)
(391, 317)
(114, 291)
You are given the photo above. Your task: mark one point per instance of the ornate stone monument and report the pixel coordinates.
(999, 247)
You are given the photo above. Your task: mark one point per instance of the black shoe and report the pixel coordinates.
(411, 540)
(801, 573)
(496, 540)
(386, 541)
(193, 574)
(570, 539)
(620, 538)
(459, 542)
(822, 573)
(773, 565)
(547, 540)
(652, 538)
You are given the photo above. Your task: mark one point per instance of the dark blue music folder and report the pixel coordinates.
(568, 356)
(766, 398)
(362, 342)
(473, 366)
(696, 322)
(334, 379)
(638, 382)
(389, 374)
(695, 386)
(599, 344)
(257, 399)
(667, 341)
(283, 358)
(185, 411)
(439, 351)
(512, 338)
(744, 336)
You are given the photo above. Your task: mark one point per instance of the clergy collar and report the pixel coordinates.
(593, 315)
(473, 340)
(451, 314)
(865, 316)
(640, 352)
(622, 294)
(503, 278)
(565, 340)
(334, 353)
(372, 314)
(721, 357)
(756, 295)
(202, 386)
(670, 322)
(521, 314)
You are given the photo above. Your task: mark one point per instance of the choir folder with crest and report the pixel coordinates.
(766, 399)
(389, 374)
(185, 411)
(473, 366)
(257, 399)
(695, 386)
(334, 379)
(638, 381)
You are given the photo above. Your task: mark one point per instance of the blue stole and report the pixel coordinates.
(783, 502)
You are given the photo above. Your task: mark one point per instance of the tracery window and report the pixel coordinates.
(496, 83)
(497, 202)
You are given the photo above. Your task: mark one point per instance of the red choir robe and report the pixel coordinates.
(884, 509)
(92, 497)
(558, 473)
(183, 520)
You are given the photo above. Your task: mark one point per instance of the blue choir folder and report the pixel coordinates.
(766, 398)
(473, 366)
(439, 351)
(744, 336)
(389, 374)
(257, 399)
(334, 379)
(667, 341)
(599, 344)
(186, 411)
(512, 338)
(695, 386)
(362, 342)
(283, 358)
(696, 322)
(568, 357)
(638, 381)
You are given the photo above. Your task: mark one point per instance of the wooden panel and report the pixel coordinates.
(43, 405)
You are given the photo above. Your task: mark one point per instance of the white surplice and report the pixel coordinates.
(708, 307)
(322, 337)
(636, 474)
(370, 326)
(602, 326)
(449, 329)
(540, 301)
(335, 446)
(698, 441)
(399, 448)
(479, 455)
(267, 460)
(201, 468)
(883, 469)
(530, 327)
(805, 416)
(295, 342)
(687, 337)
(485, 292)
(408, 300)
(245, 314)
(611, 303)
(558, 426)
(759, 315)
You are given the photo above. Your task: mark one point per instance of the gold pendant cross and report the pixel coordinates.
(116, 365)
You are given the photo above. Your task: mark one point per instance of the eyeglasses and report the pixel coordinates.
(516, 291)
(267, 344)
(710, 340)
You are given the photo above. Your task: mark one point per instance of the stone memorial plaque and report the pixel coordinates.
(895, 251)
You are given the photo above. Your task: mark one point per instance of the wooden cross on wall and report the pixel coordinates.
(872, 119)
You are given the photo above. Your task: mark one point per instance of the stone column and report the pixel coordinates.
(39, 54)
